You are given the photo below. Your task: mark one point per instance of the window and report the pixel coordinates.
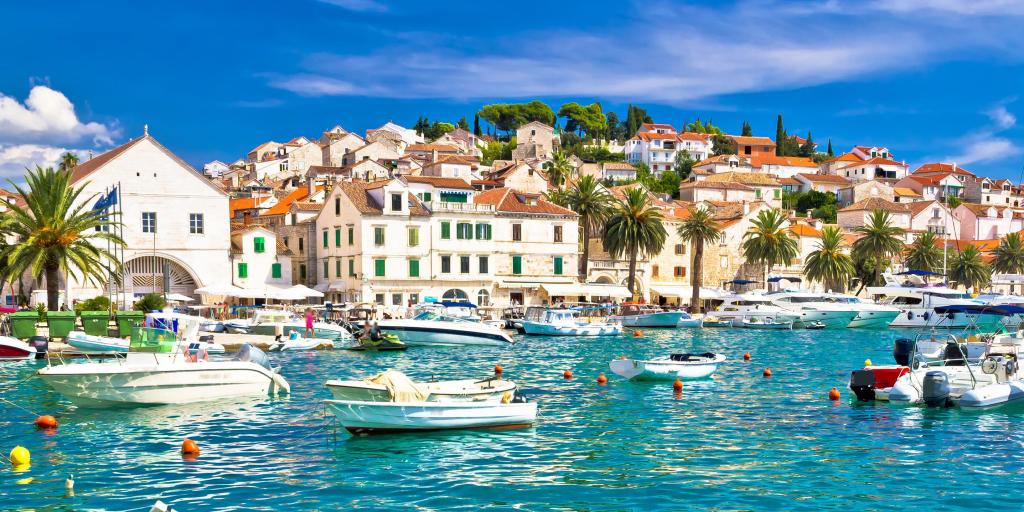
(352, 267)
(302, 271)
(446, 264)
(378, 267)
(337, 206)
(517, 264)
(337, 237)
(775, 193)
(464, 264)
(414, 268)
(414, 237)
(483, 231)
(414, 298)
(654, 271)
(517, 232)
(484, 264)
(351, 235)
(558, 234)
(243, 270)
(464, 231)
(275, 271)
(396, 299)
(286, 241)
(454, 294)
(379, 298)
(724, 262)
(679, 272)
(195, 223)
(259, 244)
(446, 230)
(483, 298)
(425, 197)
(558, 265)
(396, 202)
(337, 267)
(149, 222)
(757, 193)
(325, 239)
(680, 249)
(378, 235)
(327, 269)
(301, 242)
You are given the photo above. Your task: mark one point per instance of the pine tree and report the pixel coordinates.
(830, 153)
(807, 149)
(747, 130)
(476, 126)
(462, 123)
(780, 137)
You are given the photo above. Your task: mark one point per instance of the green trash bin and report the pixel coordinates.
(60, 323)
(95, 323)
(23, 324)
(126, 320)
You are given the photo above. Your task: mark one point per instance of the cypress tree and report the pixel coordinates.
(747, 130)
(780, 137)
(830, 153)
(476, 125)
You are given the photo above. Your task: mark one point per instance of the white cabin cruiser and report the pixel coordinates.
(269, 321)
(917, 303)
(736, 308)
(433, 329)
(159, 370)
(648, 315)
(540, 321)
(869, 314)
(814, 307)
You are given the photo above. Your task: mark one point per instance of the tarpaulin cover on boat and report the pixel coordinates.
(401, 388)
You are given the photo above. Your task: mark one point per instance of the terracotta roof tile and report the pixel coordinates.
(825, 178)
(752, 141)
(439, 182)
(942, 168)
(877, 203)
(511, 201)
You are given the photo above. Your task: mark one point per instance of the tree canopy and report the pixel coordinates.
(509, 116)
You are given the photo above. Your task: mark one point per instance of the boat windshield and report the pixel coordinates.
(801, 299)
(434, 317)
(152, 339)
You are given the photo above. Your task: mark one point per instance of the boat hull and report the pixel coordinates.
(426, 333)
(993, 394)
(320, 330)
(391, 417)
(543, 329)
(873, 319)
(669, 319)
(664, 369)
(831, 319)
(921, 318)
(12, 349)
(450, 391)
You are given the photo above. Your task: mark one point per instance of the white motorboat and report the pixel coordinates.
(647, 315)
(917, 302)
(813, 308)
(294, 342)
(269, 322)
(158, 370)
(359, 417)
(96, 344)
(766, 322)
(430, 328)
(541, 321)
(392, 386)
(735, 308)
(13, 349)
(869, 314)
(676, 366)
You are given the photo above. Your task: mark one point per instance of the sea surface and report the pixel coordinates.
(738, 442)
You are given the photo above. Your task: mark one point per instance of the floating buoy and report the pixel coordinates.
(677, 386)
(189, 447)
(833, 394)
(46, 421)
(567, 374)
(767, 372)
(602, 380)
(746, 356)
(867, 362)
(69, 484)
(637, 333)
(498, 369)
(20, 456)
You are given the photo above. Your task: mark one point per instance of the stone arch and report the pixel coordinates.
(145, 274)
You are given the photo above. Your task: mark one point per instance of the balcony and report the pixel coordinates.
(443, 206)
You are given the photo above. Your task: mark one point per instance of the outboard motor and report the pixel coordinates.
(41, 344)
(953, 355)
(253, 355)
(902, 349)
(935, 389)
(862, 383)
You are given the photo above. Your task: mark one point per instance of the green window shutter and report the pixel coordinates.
(378, 267)
(426, 197)
(352, 267)
(327, 269)
(558, 265)
(488, 231)
(243, 270)
(480, 231)
(464, 231)
(259, 244)
(414, 237)
(378, 235)
(337, 237)
(776, 193)
(302, 272)
(351, 235)
(517, 264)
(446, 230)
(325, 238)
(757, 192)
(414, 268)
(337, 267)
(275, 271)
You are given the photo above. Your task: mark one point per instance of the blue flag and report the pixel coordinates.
(106, 201)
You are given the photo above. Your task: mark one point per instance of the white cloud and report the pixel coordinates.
(960, 7)
(984, 148)
(359, 5)
(1003, 118)
(314, 85)
(15, 158)
(47, 117)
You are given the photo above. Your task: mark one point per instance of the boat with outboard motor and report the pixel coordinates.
(294, 342)
(542, 321)
(392, 386)
(159, 370)
(360, 417)
(13, 349)
(675, 366)
(647, 315)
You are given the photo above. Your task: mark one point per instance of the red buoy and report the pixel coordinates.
(834, 394)
(189, 447)
(46, 422)
(567, 374)
(767, 372)
(638, 333)
(746, 356)
(602, 380)
(677, 386)
(498, 369)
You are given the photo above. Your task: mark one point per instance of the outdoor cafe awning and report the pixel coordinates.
(586, 290)
(685, 292)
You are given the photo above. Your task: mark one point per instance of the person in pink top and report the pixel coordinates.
(309, 322)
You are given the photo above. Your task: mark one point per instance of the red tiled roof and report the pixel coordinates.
(825, 178)
(357, 193)
(722, 185)
(942, 168)
(752, 141)
(439, 182)
(511, 201)
(432, 147)
(800, 229)
(284, 204)
(877, 203)
(874, 161)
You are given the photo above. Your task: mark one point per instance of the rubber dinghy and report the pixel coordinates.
(676, 366)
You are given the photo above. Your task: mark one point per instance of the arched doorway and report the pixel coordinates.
(145, 274)
(455, 294)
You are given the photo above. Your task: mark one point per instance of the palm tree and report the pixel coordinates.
(54, 230)
(634, 229)
(828, 263)
(699, 228)
(881, 240)
(924, 254)
(558, 168)
(593, 204)
(68, 161)
(968, 269)
(1009, 256)
(767, 242)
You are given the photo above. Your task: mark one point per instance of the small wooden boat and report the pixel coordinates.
(394, 386)
(714, 321)
(766, 323)
(397, 417)
(676, 366)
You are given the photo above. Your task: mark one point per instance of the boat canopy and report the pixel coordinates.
(982, 309)
(784, 278)
(740, 281)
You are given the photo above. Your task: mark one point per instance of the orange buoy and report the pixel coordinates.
(746, 356)
(622, 358)
(602, 380)
(677, 386)
(498, 369)
(189, 447)
(567, 374)
(833, 394)
(46, 421)
(637, 333)
(767, 372)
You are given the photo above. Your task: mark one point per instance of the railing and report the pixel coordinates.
(438, 206)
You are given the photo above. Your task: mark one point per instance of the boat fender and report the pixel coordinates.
(910, 315)
(926, 315)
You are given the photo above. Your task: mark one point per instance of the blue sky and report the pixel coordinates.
(934, 80)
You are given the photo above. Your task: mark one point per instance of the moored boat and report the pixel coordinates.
(96, 344)
(13, 349)
(432, 329)
(564, 322)
(392, 385)
(360, 417)
(294, 342)
(647, 315)
(676, 366)
(765, 322)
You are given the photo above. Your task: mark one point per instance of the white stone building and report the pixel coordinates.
(258, 261)
(656, 145)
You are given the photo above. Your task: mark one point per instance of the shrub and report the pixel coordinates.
(41, 309)
(150, 302)
(98, 303)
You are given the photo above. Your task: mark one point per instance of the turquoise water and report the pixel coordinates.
(740, 442)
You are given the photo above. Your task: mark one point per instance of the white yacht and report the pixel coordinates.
(814, 307)
(268, 321)
(736, 308)
(917, 302)
(432, 328)
(869, 314)
(541, 321)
